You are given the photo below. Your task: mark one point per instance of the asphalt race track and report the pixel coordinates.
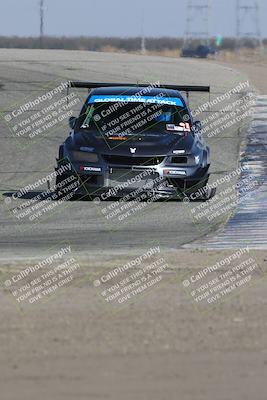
(26, 74)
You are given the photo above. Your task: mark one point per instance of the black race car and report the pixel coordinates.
(200, 51)
(131, 139)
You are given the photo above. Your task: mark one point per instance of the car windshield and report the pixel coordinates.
(120, 115)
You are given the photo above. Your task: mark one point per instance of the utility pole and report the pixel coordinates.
(41, 22)
(248, 22)
(143, 45)
(198, 21)
(143, 38)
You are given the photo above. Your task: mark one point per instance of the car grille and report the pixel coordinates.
(128, 179)
(126, 160)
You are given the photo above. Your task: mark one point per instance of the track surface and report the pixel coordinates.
(23, 75)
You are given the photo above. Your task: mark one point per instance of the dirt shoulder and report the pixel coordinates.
(159, 346)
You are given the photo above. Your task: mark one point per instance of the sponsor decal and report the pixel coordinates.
(92, 169)
(174, 172)
(172, 101)
(118, 138)
(182, 127)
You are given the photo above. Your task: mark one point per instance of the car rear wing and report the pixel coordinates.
(181, 88)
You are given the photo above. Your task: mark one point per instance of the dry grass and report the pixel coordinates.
(244, 55)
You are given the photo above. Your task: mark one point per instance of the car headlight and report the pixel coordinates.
(197, 159)
(84, 156)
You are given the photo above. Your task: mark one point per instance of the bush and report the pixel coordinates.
(120, 44)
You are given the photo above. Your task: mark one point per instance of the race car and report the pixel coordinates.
(131, 139)
(200, 51)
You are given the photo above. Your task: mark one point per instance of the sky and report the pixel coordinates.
(115, 17)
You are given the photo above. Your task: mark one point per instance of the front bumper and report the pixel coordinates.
(117, 181)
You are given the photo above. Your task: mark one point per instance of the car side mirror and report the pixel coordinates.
(197, 125)
(72, 122)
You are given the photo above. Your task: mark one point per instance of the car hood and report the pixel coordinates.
(144, 144)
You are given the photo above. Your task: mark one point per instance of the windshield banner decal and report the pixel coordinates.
(172, 101)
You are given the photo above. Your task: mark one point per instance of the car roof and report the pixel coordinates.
(131, 91)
